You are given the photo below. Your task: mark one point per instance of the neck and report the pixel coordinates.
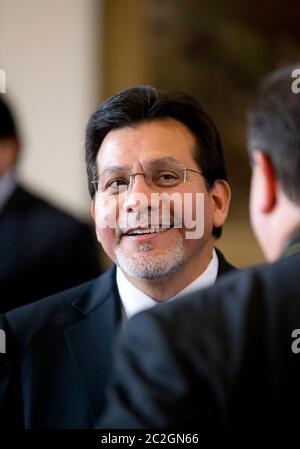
(163, 288)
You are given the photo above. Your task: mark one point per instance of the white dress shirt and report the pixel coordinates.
(8, 184)
(134, 300)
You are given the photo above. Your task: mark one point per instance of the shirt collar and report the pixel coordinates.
(8, 184)
(134, 300)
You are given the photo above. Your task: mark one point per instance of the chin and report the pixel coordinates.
(151, 266)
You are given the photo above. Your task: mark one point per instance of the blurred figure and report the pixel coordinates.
(42, 249)
(223, 359)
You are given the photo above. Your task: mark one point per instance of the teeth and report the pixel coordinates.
(147, 230)
(142, 231)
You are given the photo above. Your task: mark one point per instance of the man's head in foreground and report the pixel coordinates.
(274, 150)
(141, 143)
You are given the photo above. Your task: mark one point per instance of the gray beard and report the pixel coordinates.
(147, 266)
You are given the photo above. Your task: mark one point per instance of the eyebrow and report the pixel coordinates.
(166, 160)
(112, 168)
(154, 163)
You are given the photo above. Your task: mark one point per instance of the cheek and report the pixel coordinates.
(105, 224)
(203, 209)
(192, 206)
(208, 212)
(107, 238)
(197, 218)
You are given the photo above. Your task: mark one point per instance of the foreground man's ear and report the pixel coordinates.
(265, 182)
(221, 194)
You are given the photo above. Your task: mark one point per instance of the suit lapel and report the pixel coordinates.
(90, 341)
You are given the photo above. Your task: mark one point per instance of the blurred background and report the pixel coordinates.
(63, 57)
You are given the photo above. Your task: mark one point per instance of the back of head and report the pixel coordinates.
(274, 128)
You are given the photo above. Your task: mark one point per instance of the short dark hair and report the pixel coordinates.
(274, 129)
(8, 127)
(145, 103)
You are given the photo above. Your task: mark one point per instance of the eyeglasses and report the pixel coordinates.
(118, 181)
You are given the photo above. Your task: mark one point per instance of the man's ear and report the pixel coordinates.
(221, 194)
(265, 181)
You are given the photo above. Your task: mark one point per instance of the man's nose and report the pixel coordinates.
(138, 196)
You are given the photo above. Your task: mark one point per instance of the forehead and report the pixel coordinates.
(146, 142)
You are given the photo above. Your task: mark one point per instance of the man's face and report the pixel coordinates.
(150, 146)
(8, 155)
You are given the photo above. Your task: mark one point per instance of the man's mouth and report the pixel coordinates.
(146, 230)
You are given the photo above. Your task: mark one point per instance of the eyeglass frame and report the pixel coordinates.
(132, 175)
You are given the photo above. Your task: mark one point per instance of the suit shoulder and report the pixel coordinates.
(52, 314)
(259, 279)
(57, 312)
(259, 288)
(33, 205)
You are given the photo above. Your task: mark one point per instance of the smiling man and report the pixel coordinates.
(159, 199)
(157, 144)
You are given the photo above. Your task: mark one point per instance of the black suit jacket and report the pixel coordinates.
(219, 361)
(42, 251)
(59, 356)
